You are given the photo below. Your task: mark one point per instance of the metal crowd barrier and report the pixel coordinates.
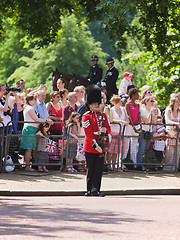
(58, 160)
(79, 161)
(81, 139)
(55, 149)
(151, 164)
(2, 132)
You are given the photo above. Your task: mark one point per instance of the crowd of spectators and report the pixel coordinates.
(129, 110)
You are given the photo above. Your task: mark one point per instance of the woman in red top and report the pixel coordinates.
(55, 113)
(95, 124)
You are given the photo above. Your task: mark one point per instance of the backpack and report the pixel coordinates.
(149, 157)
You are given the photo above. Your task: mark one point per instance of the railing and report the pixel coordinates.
(10, 144)
(173, 164)
(55, 149)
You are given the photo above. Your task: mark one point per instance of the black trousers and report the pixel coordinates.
(94, 171)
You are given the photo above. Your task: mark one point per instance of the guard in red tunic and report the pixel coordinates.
(95, 125)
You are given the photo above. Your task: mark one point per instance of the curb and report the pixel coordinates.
(40, 193)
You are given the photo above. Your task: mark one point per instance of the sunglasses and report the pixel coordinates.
(152, 101)
(46, 125)
(149, 92)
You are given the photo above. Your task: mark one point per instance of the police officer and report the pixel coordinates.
(110, 79)
(95, 72)
(94, 124)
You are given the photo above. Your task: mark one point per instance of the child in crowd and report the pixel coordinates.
(42, 154)
(74, 129)
(124, 84)
(160, 134)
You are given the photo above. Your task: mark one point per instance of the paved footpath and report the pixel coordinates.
(59, 183)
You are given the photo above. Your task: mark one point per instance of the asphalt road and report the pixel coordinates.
(112, 217)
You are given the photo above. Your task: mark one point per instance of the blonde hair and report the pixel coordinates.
(103, 95)
(172, 101)
(115, 99)
(144, 89)
(28, 90)
(146, 99)
(79, 88)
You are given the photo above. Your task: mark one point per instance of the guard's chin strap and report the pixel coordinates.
(94, 109)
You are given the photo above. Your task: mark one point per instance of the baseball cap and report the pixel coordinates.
(127, 74)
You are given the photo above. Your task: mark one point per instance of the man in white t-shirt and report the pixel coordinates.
(124, 84)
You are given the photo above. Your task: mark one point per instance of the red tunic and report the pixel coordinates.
(91, 122)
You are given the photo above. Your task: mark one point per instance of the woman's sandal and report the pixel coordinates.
(45, 170)
(40, 169)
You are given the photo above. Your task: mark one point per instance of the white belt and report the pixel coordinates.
(96, 133)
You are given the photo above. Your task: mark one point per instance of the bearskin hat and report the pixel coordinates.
(93, 94)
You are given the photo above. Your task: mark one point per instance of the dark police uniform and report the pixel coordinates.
(110, 80)
(95, 74)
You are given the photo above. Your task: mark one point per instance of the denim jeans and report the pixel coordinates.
(143, 146)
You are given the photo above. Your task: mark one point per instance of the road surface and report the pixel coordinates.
(112, 217)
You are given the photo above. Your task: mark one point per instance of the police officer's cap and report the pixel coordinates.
(93, 94)
(109, 60)
(94, 58)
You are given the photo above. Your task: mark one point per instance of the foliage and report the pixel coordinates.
(148, 46)
(40, 18)
(116, 17)
(99, 35)
(11, 49)
(70, 53)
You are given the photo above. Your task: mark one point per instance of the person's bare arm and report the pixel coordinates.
(5, 107)
(36, 119)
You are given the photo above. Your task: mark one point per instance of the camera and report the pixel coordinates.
(12, 89)
(9, 113)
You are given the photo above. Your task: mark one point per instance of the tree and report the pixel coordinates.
(11, 50)
(41, 18)
(70, 53)
(101, 36)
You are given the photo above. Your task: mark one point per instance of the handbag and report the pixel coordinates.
(147, 134)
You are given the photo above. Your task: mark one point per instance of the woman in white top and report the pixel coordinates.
(172, 116)
(31, 128)
(118, 118)
(148, 116)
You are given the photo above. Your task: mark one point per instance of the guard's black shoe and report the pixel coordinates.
(101, 194)
(98, 194)
(87, 194)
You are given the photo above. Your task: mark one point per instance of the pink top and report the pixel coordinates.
(134, 112)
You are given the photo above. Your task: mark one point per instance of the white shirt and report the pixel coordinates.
(115, 127)
(6, 118)
(171, 129)
(145, 112)
(28, 118)
(124, 83)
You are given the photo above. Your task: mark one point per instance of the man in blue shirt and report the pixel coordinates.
(40, 107)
